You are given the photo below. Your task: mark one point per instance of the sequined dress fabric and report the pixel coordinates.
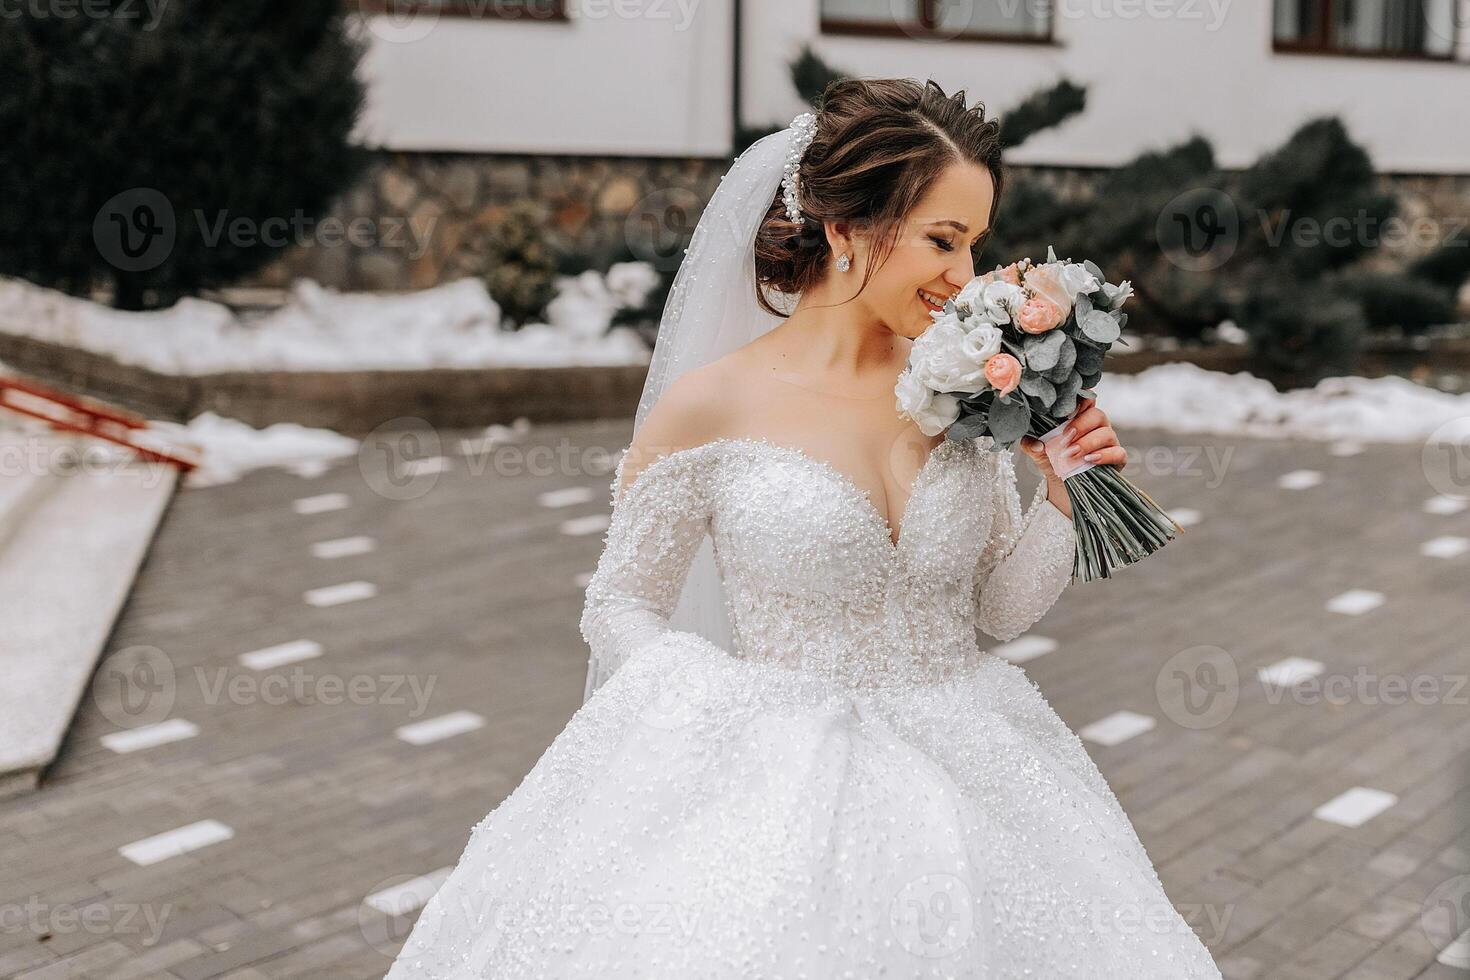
(857, 789)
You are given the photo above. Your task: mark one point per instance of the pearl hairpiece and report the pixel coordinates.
(805, 126)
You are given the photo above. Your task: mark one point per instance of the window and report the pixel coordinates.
(529, 10)
(979, 20)
(1405, 28)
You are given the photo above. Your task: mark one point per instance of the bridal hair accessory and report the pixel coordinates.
(804, 129)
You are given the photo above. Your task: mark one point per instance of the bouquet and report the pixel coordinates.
(1011, 356)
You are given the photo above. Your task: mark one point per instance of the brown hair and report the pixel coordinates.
(880, 144)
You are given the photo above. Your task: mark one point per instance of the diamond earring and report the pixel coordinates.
(843, 263)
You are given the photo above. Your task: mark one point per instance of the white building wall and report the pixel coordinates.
(604, 83)
(652, 77)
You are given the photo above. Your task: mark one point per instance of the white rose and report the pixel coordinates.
(1076, 279)
(1125, 290)
(940, 415)
(970, 295)
(997, 300)
(982, 343)
(938, 359)
(913, 395)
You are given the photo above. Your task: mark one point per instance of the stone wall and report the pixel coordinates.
(427, 218)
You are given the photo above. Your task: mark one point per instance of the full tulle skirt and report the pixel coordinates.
(704, 816)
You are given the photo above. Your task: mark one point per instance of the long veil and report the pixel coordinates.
(711, 311)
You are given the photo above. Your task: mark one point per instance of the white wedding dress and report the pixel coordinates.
(856, 789)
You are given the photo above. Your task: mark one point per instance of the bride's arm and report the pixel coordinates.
(660, 516)
(1028, 560)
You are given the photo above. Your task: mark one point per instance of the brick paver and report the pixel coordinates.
(476, 606)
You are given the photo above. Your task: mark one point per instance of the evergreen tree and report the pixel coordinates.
(164, 156)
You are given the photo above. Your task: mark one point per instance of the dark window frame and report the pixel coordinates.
(924, 28)
(490, 10)
(1318, 43)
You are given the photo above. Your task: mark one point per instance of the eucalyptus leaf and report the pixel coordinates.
(1010, 417)
(1091, 379)
(1089, 358)
(967, 427)
(1038, 387)
(1043, 350)
(1082, 307)
(1065, 361)
(1091, 267)
(1101, 327)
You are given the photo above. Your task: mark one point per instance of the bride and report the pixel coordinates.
(794, 759)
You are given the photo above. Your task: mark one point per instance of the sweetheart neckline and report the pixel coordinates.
(880, 523)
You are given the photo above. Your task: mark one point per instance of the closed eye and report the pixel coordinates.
(942, 243)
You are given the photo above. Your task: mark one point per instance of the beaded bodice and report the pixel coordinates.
(812, 578)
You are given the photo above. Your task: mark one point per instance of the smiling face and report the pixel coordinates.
(931, 259)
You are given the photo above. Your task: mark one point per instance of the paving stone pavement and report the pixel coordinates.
(474, 591)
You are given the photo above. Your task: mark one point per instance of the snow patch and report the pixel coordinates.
(456, 325)
(1183, 397)
(231, 447)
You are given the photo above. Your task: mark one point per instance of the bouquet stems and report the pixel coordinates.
(1116, 523)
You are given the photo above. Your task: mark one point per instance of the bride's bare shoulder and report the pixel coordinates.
(697, 407)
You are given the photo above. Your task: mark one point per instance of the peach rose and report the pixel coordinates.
(1038, 315)
(1012, 273)
(1003, 371)
(1046, 281)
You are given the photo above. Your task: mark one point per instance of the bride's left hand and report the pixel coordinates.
(1088, 437)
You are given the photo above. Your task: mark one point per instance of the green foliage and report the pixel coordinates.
(1449, 264)
(1301, 332)
(1389, 299)
(1042, 110)
(209, 135)
(522, 268)
(811, 76)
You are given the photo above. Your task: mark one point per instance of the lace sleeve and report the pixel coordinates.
(1028, 560)
(656, 527)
